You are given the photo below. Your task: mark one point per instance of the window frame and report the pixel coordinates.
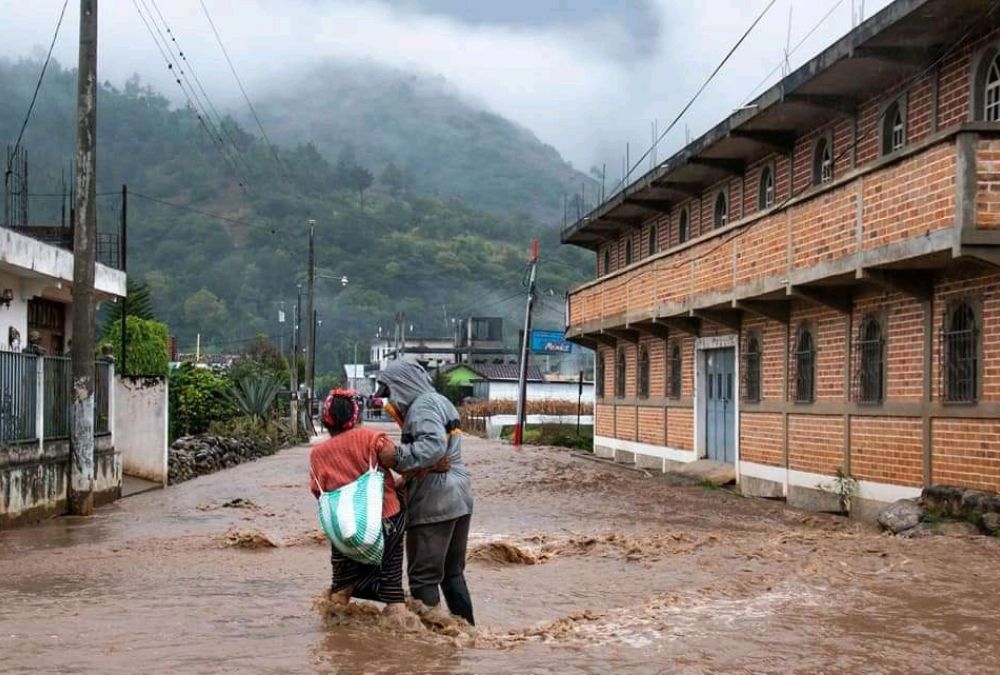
(684, 225)
(651, 240)
(599, 374)
(981, 65)
(887, 126)
(800, 396)
(822, 160)
(621, 372)
(675, 362)
(766, 172)
(720, 218)
(607, 260)
(752, 394)
(975, 309)
(629, 257)
(642, 372)
(862, 394)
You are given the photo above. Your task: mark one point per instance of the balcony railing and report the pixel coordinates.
(107, 244)
(36, 396)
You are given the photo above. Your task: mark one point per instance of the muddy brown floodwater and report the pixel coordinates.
(575, 567)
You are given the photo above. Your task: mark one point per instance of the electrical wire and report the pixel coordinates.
(622, 183)
(243, 90)
(38, 86)
(182, 207)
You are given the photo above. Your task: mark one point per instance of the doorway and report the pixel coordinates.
(720, 404)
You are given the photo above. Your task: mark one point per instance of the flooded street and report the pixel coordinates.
(574, 567)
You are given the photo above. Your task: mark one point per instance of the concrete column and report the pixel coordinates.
(40, 401)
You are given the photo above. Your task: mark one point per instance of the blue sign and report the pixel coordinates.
(550, 342)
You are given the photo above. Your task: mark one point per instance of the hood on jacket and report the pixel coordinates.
(406, 382)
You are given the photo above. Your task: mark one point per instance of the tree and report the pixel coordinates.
(203, 310)
(140, 304)
(260, 357)
(396, 180)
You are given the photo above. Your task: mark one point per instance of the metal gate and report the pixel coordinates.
(720, 405)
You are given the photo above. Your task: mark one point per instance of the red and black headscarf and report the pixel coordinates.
(340, 410)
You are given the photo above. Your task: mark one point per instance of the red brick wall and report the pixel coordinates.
(605, 419)
(966, 453)
(625, 416)
(983, 293)
(988, 175)
(657, 365)
(887, 450)
(651, 426)
(772, 336)
(761, 438)
(816, 443)
(829, 330)
(680, 428)
(824, 228)
(903, 324)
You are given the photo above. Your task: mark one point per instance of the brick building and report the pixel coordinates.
(813, 286)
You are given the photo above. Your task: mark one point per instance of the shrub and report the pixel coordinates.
(198, 397)
(147, 346)
(255, 395)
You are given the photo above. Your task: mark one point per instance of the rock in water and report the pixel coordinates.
(991, 522)
(900, 516)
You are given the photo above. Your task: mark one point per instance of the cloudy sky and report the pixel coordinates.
(586, 76)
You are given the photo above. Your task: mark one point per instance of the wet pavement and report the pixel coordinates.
(575, 567)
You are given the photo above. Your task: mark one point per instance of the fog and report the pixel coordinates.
(586, 77)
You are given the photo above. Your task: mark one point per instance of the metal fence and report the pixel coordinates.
(56, 378)
(21, 397)
(18, 396)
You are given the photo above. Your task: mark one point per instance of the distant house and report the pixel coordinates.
(498, 382)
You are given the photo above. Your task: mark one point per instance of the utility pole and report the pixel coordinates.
(312, 347)
(522, 380)
(294, 411)
(310, 339)
(123, 366)
(81, 483)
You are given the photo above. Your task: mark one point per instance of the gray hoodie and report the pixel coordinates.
(428, 422)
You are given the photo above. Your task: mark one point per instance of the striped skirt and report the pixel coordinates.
(382, 583)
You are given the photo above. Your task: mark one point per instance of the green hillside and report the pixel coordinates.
(448, 146)
(434, 258)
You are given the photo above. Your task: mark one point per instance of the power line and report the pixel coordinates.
(694, 98)
(239, 82)
(38, 84)
(182, 207)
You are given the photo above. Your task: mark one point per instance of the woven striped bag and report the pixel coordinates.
(351, 517)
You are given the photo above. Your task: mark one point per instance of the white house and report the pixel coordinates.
(498, 382)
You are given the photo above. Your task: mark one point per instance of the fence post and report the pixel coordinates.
(40, 402)
(111, 397)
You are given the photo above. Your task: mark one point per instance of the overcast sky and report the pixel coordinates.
(585, 75)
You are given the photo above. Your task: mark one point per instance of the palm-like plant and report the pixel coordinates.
(254, 394)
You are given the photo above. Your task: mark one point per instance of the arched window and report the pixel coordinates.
(870, 385)
(720, 215)
(893, 128)
(991, 92)
(651, 240)
(599, 375)
(684, 229)
(960, 346)
(607, 260)
(642, 374)
(805, 367)
(751, 369)
(674, 388)
(628, 251)
(620, 373)
(765, 198)
(822, 162)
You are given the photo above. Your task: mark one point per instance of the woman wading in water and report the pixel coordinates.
(342, 459)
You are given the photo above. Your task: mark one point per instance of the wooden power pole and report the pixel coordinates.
(81, 482)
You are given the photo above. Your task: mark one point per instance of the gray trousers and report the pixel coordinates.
(436, 558)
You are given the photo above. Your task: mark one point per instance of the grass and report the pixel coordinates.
(558, 435)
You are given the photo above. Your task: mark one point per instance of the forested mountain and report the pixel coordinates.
(443, 144)
(434, 258)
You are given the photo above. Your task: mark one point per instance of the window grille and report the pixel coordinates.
(675, 371)
(651, 246)
(721, 214)
(869, 371)
(959, 354)
(893, 129)
(823, 162)
(991, 113)
(599, 375)
(805, 367)
(766, 196)
(643, 373)
(751, 369)
(620, 373)
(684, 226)
(607, 260)
(628, 251)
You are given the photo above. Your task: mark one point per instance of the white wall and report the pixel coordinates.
(141, 432)
(541, 391)
(38, 259)
(16, 315)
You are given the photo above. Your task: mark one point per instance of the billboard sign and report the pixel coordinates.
(550, 342)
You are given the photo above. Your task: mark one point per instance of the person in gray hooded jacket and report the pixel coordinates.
(439, 504)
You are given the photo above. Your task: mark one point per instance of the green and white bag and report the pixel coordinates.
(351, 517)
